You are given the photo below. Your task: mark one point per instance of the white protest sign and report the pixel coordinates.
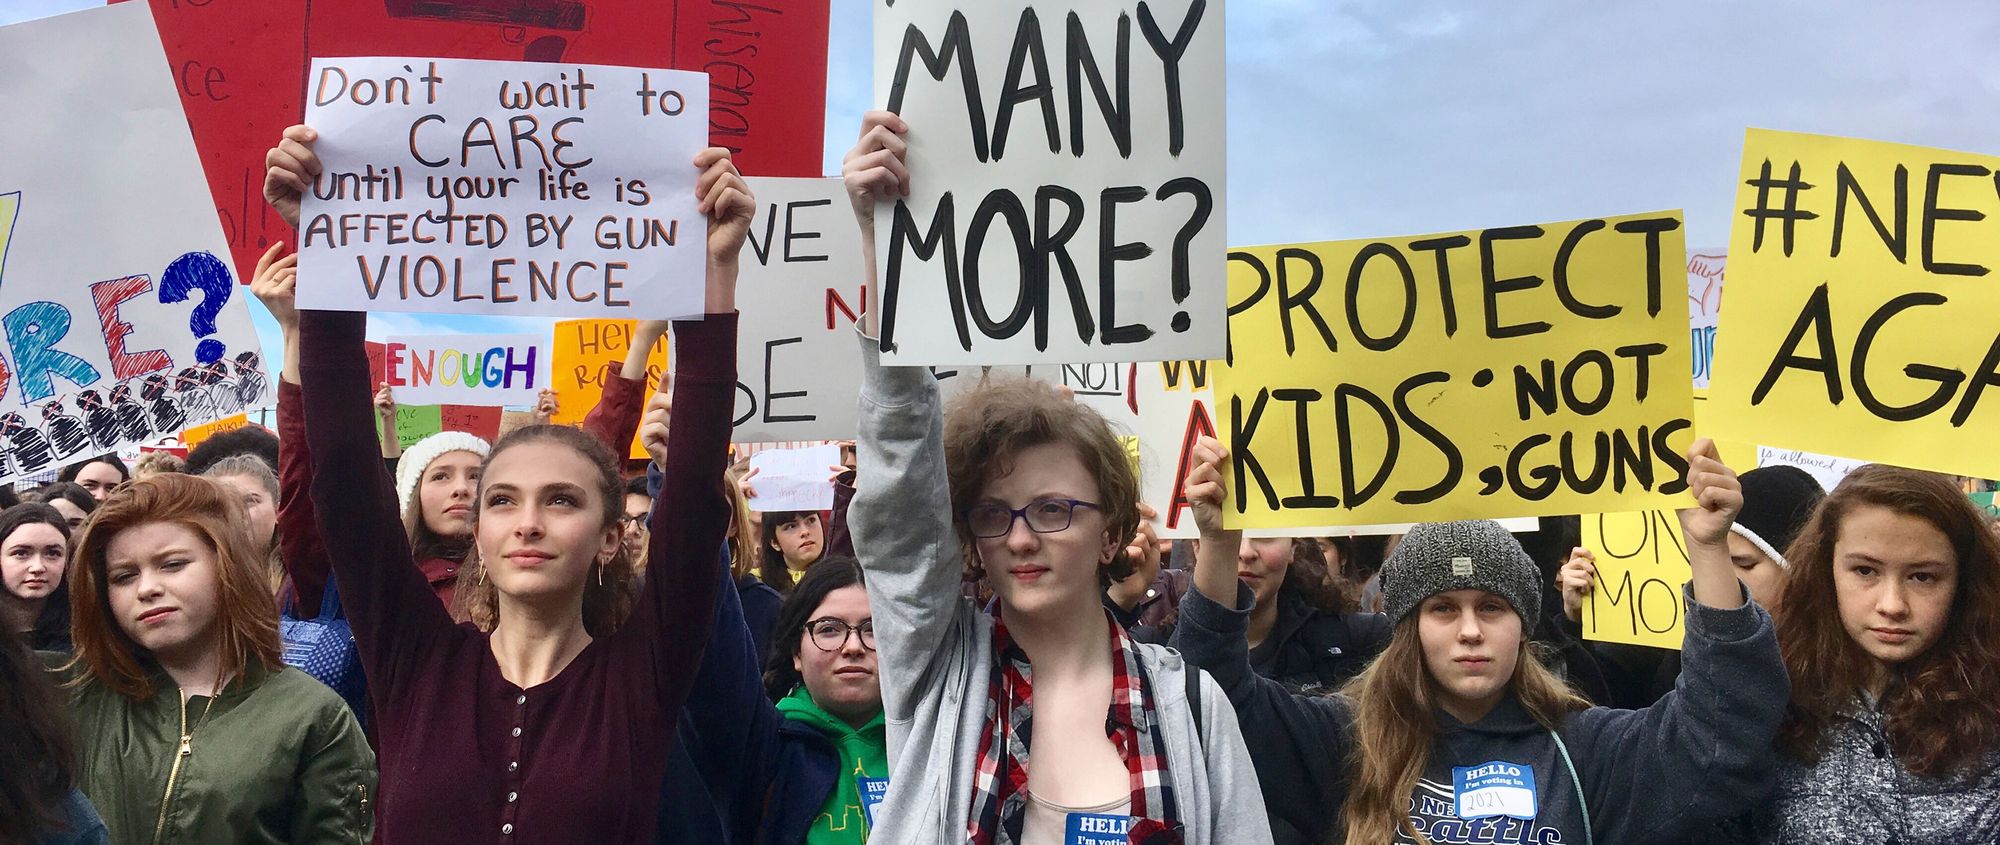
(1066, 175)
(800, 292)
(793, 479)
(1825, 469)
(467, 369)
(122, 321)
(515, 188)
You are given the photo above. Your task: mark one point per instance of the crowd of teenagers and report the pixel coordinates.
(312, 636)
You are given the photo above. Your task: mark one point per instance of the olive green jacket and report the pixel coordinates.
(278, 758)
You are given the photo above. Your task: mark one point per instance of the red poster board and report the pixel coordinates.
(240, 66)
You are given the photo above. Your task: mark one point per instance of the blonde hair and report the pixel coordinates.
(1394, 700)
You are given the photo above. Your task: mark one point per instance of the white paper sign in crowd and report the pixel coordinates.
(1066, 175)
(467, 369)
(516, 188)
(793, 479)
(122, 320)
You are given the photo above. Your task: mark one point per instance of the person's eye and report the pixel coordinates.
(1492, 607)
(1050, 507)
(174, 565)
(121, 577)
(1865, 571)
(498, 499)
(1923, 577)
(1441, 609)
(564, 499)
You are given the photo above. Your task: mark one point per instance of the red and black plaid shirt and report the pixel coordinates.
(1000, 783)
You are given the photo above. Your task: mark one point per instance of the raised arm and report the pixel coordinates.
(900, 518)
(1298, 744)
(299, 543)
(616, 417)
(1712, 737)
(396, 617)
(670, 624)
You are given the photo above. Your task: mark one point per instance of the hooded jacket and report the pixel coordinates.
(278, 758)
(843, 818)
(936, 647)
(1700, 755)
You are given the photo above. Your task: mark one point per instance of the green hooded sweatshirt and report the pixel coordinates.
(863, 755)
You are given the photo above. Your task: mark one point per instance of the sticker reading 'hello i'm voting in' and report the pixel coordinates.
(1495, 789)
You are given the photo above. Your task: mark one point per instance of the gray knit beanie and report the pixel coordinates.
(1439, 557)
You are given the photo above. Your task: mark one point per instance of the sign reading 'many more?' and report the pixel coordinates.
(1860, 317)
(1066, 176)
(513, 188)
(467, 369)
(1508, 372)
(120, 321)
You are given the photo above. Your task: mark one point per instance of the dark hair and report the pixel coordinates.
(636, 486)
(1361, 556)
(771, 567)
(38, 760)
(249, 440)
(833, 572)
(247, 619)
(606, 600)
(1942, 707)
(8, 496)
(985, 431)
(1308, 580)
(68, 473)
(68, 491)
(51, 631)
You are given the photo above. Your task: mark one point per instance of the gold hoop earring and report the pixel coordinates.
(600, 575)
(482, 573)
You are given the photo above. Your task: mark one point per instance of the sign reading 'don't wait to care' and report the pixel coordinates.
(516, 188)
(1509, 372)
(1066, 181)
(1863, 318)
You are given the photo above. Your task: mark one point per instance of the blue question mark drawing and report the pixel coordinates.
(204, 272)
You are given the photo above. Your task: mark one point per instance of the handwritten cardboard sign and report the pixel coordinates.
(502, 369)
(516, 188)
(1508, 372)
(120, 321)
(1861, 318)
(1066, 175)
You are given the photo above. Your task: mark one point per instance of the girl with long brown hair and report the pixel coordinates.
(1458, 734)
(555, 726)
(1889, 620)
(191, 728)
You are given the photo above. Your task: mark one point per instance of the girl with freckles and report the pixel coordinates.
(1458, 734)
(555, 726)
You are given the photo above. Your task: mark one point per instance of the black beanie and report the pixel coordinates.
(1777, 501)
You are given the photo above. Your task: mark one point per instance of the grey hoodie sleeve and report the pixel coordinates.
(902, 527)
(1299, 744)
(1702, 753)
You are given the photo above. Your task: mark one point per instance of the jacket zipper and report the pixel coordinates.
(361, 823)
(174, 773)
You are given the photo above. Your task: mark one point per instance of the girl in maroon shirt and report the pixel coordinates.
(536, 732)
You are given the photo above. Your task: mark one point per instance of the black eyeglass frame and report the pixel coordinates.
(1021, 514)
(846, 631)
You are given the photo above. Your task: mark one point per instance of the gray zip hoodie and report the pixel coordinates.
(1703, 753)
(936, 648)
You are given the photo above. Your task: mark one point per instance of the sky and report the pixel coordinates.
(1364, 118)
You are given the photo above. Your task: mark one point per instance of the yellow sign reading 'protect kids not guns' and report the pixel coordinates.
(1509, 372)
(1862, 316)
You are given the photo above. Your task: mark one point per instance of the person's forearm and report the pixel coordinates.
(1215, 566)
(290, 373)
(1714, 582)
(721, 294)
(643, 341)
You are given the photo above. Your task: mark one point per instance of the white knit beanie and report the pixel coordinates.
(410, 468)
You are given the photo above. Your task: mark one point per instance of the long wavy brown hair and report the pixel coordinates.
(246, 616)
(1394, 702)
(1943, 706)
(610, 591)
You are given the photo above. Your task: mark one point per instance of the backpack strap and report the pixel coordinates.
(329, 600)
(1589, 837)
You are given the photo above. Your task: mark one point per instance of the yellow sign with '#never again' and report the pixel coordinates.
(1510, 372)
(1862, 316)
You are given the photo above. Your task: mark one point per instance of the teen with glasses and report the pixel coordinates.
(1043, 716)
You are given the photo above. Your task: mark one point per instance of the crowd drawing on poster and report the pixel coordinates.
(1706, 271)
(145, 397)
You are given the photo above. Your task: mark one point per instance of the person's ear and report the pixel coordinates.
(798, 661)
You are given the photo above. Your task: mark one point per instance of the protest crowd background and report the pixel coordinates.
(988, 492)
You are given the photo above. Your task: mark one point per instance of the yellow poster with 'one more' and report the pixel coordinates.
(1862, 316)
(1642, 561)
(1510, 372)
